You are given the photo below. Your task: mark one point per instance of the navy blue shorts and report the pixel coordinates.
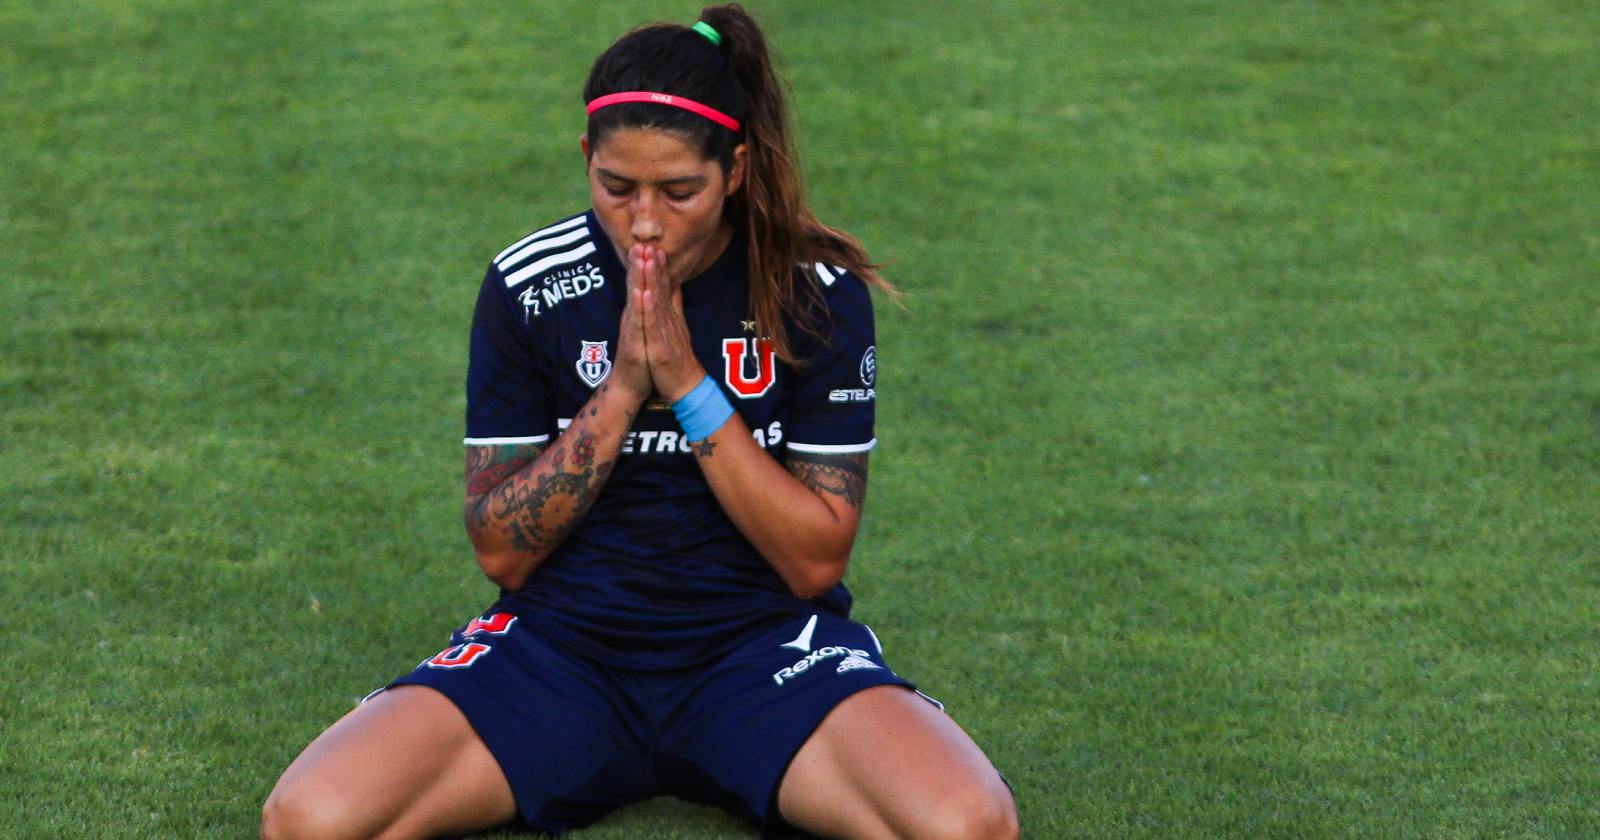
(577, 738)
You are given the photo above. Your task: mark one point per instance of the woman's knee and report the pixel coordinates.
(980, 812)
(296, 812)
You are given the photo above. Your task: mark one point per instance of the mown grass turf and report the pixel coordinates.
(1240, 441)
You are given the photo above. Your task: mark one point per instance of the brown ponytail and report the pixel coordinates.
(737, 78)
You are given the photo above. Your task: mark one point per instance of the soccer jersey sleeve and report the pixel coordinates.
(507, 388)
(835, 388)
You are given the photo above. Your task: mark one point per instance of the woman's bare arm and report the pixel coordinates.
(523, 499)
(801, 515)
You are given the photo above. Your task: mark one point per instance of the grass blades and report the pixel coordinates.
(1240, 439)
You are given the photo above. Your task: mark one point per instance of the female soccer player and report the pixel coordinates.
(670, 406)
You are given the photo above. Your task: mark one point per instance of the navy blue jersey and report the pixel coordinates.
(656, 575)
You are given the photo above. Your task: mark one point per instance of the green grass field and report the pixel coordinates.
(1240, 463)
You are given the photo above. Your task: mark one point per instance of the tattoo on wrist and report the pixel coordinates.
(702, 449)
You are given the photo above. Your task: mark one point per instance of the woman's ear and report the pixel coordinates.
(741, 166)
(583, 143)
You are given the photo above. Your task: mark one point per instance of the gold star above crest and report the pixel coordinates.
(749, 326)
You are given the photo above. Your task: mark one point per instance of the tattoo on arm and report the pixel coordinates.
(844, 476)
(702, 449)
(539, 510)
(533, 510)
(489, 467)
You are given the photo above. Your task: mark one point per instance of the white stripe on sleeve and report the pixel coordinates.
(549, 262)
(502, 441)
(833, 449)
(541, 245)
(555, 228)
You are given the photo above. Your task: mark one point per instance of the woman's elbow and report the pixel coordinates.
(817, 577)
(500, 563)
(507, 569)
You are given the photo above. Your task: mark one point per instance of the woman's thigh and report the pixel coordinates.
(406, 763)
(887, 763)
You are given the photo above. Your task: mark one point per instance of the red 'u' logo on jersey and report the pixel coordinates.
(736, 370)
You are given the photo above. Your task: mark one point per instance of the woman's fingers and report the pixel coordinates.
(666, 333)
(642, 272)
(652, 269)
(673, 367)
(633, 359)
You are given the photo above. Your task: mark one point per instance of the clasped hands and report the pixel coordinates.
(654, 354)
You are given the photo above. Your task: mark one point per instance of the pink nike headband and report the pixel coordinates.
(689, 105)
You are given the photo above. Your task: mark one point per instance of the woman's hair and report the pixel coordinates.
(736, 78)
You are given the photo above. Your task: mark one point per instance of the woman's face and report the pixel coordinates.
(650, 186)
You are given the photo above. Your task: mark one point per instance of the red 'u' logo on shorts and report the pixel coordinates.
(458, 656)
(497, 624)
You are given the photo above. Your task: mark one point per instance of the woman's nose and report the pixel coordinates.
(646, 225)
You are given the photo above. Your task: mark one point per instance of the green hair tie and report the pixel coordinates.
(709, 31)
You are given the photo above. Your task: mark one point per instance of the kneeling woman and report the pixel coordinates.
(668, 427)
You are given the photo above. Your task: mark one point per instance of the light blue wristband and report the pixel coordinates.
(702, 411)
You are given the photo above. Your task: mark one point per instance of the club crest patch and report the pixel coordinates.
(593, 363)
(749, 371)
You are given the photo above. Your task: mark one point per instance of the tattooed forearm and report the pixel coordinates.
(702, 449)
(533, 510)
(540, 509)
(522, 501)
(844, 476)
